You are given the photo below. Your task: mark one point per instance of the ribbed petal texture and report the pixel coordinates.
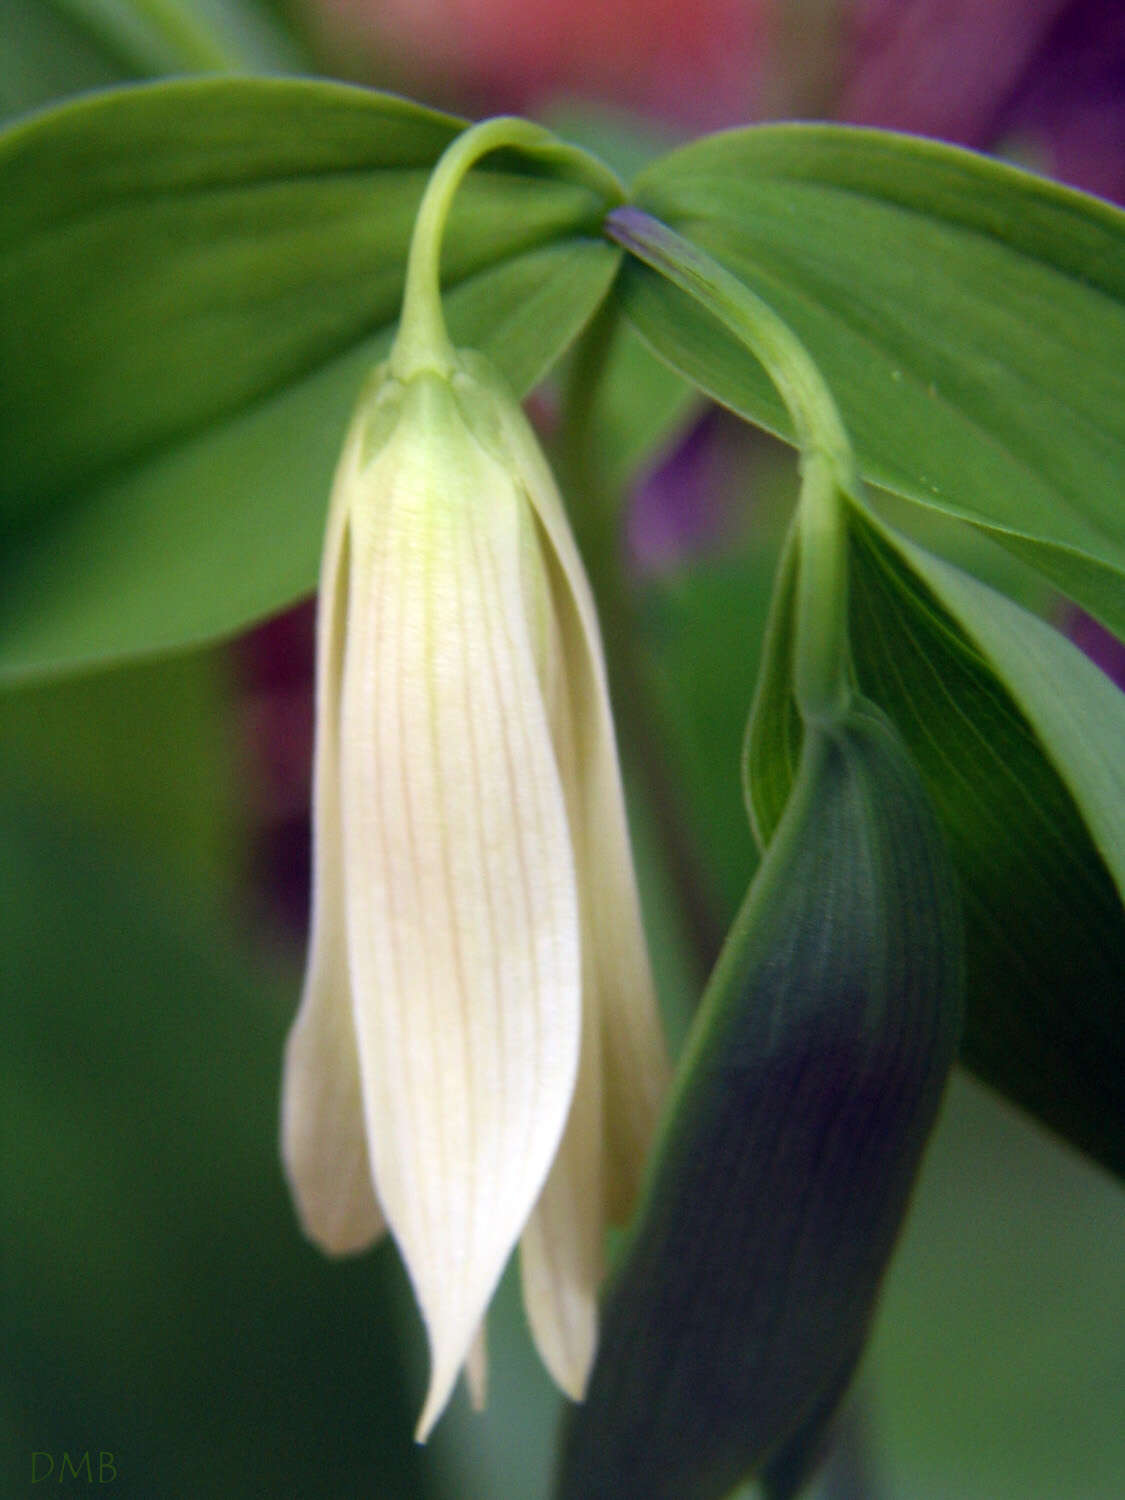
(478, 1016)
(461, 896)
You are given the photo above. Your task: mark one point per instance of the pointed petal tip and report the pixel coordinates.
(575, 1377)
(566, 1341)
(442, 1380)
(458, 1344)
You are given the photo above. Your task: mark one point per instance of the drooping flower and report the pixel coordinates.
(476, 1059)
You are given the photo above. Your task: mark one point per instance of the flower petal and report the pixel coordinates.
(323, 1144)
(619, 990)
(561, 1250)
(619, 986)
(462, 905)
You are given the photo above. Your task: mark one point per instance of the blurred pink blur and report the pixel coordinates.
(691, 64)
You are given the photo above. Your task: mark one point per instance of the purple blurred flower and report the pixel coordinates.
(275, 666)
(1046, 77)
(678, 508)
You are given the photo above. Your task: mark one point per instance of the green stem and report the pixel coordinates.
(754, 323)
(422, 342)
(822, 679)
(822, 676)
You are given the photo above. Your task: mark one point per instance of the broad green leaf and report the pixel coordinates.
(968, 317)
(194, 279)
(1076, 712)
(968, 548)
(1019, 740)
(53, 48)
(789, 1145)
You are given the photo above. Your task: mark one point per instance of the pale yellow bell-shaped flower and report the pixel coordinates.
(477, 1059)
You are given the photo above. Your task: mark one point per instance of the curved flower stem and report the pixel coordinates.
(822, 674)
(422, 342)
(753, 322)
(822, 682)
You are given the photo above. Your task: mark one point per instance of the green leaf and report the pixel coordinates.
(790, 1143)
(968, 317)
(53, 48)
(194, 279)
(1076, 712)
(793, 1464)
(775, 733)
(1019, 740)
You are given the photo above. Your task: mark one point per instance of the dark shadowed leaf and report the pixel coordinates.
(789, 1146)
(1019, 740)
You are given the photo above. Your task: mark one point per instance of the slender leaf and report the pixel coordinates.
(775, 733)
(969, 318)
(194, 279)
(1076, 712)
(790, 1143)
(1019, 740)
